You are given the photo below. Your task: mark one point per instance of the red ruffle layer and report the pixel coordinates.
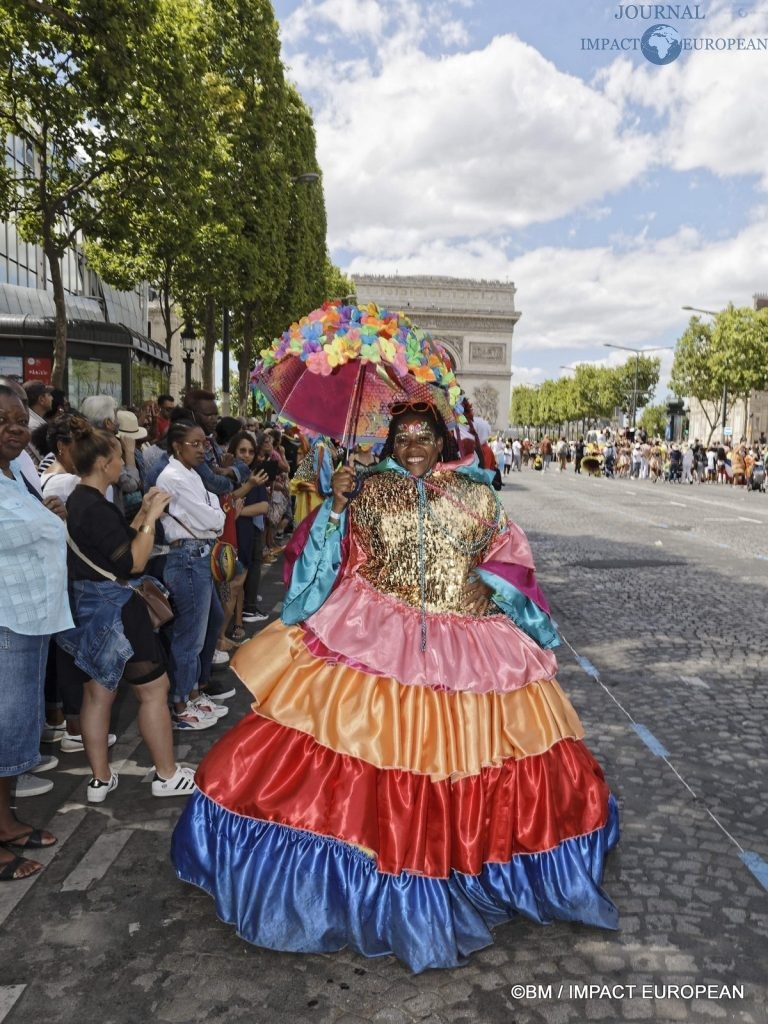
(264, 770)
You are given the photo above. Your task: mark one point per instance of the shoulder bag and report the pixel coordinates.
(155, 598)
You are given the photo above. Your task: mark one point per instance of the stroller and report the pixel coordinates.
(757, 477)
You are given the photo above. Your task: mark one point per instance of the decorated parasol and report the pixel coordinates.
(337, 371)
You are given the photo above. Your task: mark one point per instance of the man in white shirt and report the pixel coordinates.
(40, 402)
(517, 455)
(498, 451)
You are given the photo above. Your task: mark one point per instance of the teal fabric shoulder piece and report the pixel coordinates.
(315, 570)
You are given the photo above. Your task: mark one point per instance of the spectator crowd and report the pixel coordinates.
(640, 457)
(133, 545)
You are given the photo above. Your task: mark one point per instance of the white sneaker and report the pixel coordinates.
(74, 744)
(209, 707)
(221, 657)
(254, 617)
(31, 785)
(191, 718)
(53, 733)
(181, 783)
(98, 791)
(46, 764)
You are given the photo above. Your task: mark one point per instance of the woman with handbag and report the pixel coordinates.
(114, 638)
(192, 524)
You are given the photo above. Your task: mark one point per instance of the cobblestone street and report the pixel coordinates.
(660, 594)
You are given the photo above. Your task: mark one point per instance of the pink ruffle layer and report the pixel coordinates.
(366, 627)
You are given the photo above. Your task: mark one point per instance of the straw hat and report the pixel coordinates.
(128, 426)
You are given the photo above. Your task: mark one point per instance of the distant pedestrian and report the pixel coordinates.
(545, 451)
(578, 455)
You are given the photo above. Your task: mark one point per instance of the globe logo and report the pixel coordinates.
(661, 44)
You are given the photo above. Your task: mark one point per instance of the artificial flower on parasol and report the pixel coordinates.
(336, 371)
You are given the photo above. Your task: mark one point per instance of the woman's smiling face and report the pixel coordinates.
(416, 446)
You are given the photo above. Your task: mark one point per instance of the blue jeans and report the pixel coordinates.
(215, 622)
(22, 700)
(188, 578)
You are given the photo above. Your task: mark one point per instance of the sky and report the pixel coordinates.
(483, 139)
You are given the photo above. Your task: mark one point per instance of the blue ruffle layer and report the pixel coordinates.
(292, 890)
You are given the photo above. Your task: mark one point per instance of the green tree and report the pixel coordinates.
(654, 420)
(589, 391)
(523, 409)
(739, 353)
(73, 86)
(337, 284)
(647, 369)
(147, 233)
(694, 372)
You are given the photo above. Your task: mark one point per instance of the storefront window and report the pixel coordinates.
(93, 377)
(147, 382)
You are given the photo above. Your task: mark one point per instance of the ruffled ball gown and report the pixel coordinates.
(411, 775)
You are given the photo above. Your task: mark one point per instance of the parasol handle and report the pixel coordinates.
(350, 426)
(357, 488)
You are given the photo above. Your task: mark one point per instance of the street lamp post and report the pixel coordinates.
(712, 313)
(638, 352)
(188, 355)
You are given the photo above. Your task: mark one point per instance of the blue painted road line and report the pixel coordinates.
(650, 740)
(757, 866)
(588, 667)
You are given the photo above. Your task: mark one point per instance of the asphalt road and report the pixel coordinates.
(660, 594)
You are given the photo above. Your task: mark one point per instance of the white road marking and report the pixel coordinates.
(695, 681)
(746, 519)
(133, 927)
(63, 824)
(9, 996)
(97, 861)
(678, 503)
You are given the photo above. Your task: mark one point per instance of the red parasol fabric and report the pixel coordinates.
(337, 371)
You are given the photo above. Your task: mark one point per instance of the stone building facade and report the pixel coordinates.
(473, 320)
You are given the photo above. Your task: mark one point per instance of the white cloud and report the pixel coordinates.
(710, 100)
(382, 21)
(575, 300)
(528, 374)
(579, 299)
(467, 144)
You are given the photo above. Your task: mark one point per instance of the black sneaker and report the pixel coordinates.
(217, 690)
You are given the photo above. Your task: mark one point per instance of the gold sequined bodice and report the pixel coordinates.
(385, 521)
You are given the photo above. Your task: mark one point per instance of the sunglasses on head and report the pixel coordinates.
(399, 407)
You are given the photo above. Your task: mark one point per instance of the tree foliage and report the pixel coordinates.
(592, 393)
(167, 136)
(653, 420)
(719, 362)
(77, 86)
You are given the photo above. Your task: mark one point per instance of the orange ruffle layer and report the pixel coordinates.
(431, 732)
(266, 771)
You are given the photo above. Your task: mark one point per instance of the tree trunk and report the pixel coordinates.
(166, 308)
(211, 338)
(244, 362)
(60, 340)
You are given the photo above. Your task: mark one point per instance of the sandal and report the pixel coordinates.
(8, 871)
(34, 840)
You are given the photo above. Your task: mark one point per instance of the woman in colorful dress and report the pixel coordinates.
(412, 774)
(311, 483)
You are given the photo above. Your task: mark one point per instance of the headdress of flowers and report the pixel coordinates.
(335, 334)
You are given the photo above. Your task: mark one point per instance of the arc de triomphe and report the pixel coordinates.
(474, 320)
